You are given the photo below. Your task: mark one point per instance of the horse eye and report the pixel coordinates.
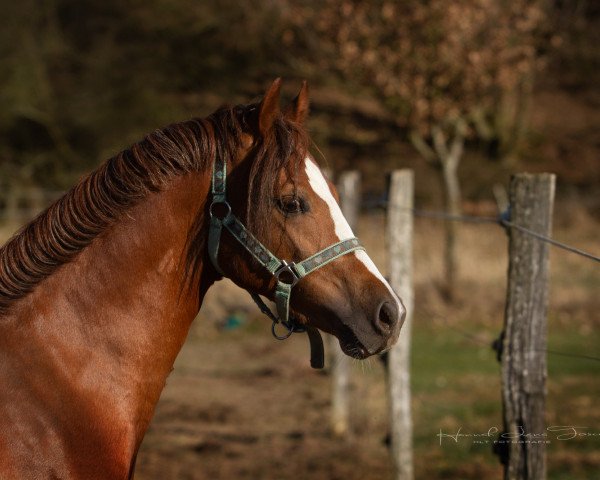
(291, 205)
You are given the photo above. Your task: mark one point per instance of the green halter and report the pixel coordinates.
(287, 274)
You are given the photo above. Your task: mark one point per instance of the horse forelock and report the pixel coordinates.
(283, 147)
(68, 226)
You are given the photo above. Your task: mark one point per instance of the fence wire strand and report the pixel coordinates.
(549, 240)
(476, 339)
(502, 220)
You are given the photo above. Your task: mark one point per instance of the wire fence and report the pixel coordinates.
(551, 241)
(492, 343)
(502, 220)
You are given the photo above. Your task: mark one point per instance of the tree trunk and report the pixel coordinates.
(453, 201)
(512, 119)
(449, 154)
(446, 154)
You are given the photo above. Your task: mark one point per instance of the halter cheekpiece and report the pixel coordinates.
(288, 274)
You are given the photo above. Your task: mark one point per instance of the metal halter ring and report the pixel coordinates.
(286, 335)
(287, 274)
(212, 212)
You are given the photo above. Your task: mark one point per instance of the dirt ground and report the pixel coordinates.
(241, 405)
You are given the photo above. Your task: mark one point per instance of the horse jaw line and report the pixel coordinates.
(342, 228)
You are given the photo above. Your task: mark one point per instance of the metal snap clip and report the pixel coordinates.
(286, 335)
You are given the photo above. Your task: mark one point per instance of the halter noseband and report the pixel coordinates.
(287, 274)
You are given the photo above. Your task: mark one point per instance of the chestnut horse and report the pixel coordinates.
(97, 294)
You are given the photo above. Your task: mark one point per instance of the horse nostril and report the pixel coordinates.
(387, 317)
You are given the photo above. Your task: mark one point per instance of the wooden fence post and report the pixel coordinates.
(349, 191)
(523, 354)
(399, 237)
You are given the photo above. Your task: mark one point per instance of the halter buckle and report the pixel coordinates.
(217, 204)
(287, 274)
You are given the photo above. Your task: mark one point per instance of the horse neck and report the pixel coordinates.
(112, 321)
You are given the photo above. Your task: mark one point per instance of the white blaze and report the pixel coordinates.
(342, 228)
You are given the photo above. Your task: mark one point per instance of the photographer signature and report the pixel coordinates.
(556, 432)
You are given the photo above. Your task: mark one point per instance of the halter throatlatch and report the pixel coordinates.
(287, 274)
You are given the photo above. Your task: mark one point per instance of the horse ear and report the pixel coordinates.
(268, 109)
(297, 111)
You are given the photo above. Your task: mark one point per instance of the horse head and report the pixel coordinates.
(292, 225)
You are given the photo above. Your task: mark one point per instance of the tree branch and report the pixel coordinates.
(440, 143)
(458, 143)
(422, 147)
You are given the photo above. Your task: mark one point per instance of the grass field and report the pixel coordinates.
(241, 405)
(457, 385)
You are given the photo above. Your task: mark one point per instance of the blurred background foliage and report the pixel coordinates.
(393, 83)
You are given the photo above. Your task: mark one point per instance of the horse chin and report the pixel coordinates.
(362, 345)
(349, 342)
(354, 349)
